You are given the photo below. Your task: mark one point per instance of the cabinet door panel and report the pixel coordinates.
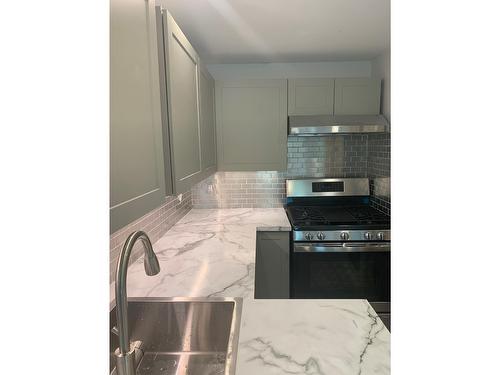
(167, 152)
(272, 265)
(357, 96)
(136, 160)
(183, 106)
(251, 122)
(310, 96)
(207, 122)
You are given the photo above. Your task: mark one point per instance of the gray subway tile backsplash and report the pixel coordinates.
(379, 171)
(357, 155)
(331, 156)
(155, 223)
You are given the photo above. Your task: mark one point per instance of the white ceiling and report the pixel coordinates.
(250, 31)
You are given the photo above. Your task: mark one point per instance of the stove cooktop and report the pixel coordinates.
(336, 217)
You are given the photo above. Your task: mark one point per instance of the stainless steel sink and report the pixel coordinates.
(190, 336)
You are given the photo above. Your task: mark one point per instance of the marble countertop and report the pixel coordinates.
(319, 337)
(211, 252)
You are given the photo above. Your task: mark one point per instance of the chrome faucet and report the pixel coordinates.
(127, 357)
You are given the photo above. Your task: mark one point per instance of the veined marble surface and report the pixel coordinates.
(312, 337)
(211, 252)
(208, 253)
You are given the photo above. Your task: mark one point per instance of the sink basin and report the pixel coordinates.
(191, 336)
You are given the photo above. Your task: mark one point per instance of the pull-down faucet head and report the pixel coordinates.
(151, 264)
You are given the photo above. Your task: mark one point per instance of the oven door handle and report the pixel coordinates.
(345, 247)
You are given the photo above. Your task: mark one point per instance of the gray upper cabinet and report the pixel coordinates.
(357, 96)
(207, 123)
(328, 96)
(136, 159)
(310, 96)
(251, 123)
(182, 72)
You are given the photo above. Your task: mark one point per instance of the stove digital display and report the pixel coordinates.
(328, 187)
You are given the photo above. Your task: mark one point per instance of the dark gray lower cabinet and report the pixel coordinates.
(272, 265)
(386, 319)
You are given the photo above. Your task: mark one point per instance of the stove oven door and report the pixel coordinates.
(341, 270)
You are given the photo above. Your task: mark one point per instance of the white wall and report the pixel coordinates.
(291, 70)
(381, 68)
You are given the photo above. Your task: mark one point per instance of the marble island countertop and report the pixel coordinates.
(211, 252)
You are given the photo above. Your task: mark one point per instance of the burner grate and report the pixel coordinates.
(328, 215)
(307, 214)
(363, 215)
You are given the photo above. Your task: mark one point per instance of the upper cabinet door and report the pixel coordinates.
(207, 122)
(182, 76)
(137, 177)
(310, 96)
(251, 120)
(357, 96)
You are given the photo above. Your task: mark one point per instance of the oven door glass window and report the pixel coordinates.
(341, 275)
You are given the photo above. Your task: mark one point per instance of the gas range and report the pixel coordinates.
(338, 223)
(340, 244)
(334, 210)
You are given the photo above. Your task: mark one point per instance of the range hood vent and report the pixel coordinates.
(329, 125)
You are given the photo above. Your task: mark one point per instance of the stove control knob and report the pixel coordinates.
(368, 236)
(380, 236)
(308, 236)
(321, 236)
(344, 236)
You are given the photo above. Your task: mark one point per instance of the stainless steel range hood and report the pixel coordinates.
(329, 125)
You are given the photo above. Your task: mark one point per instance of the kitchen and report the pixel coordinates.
(222, 200)
(277, 185)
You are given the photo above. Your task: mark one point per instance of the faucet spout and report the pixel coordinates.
(125, 356)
